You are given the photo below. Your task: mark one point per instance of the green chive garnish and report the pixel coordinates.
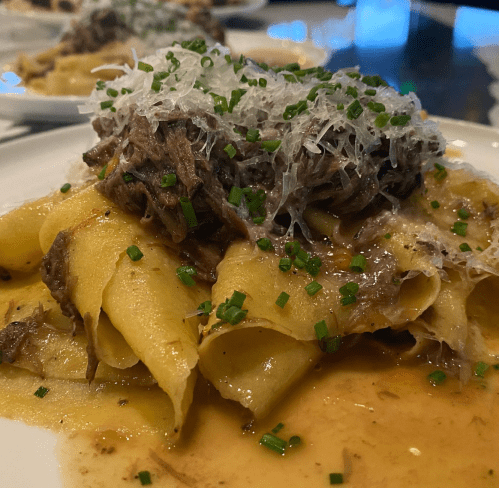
(292, 248)
(313, 266)
(282, 299)
(145, 478)
(462, 213)
(262, 82)
(65, 188)
(205, 307)
(352, 91)
(106, 104)
(387, 236)
(189, 213)
(124, 91)
(253, 135)
(434, 204)
(340, 106)
(112, 92)
(156, 85)
(351, 288)
(145, 67)
(285, 264)
(273, 443)
(41, 392)
(459, 228)
(354, 110)
(185, 274)
(370, 93)
(265, 244)
(480, 369)
(127, 177)
(437, 377)
(440, 172)
(230, 150)
(294, 440)
(313, 287)
(102, 173)
(335, 478)
(168, 180)
(100, 85)
(271, 146)
(358, 264)
(348, 300)
(354, 75)
(134, 253)
(464, 247)
(400, 120)
(207, 62)
(277, 428)
(374, 81)
(375, 107)
(235, 196)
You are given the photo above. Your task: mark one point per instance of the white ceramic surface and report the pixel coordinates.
(34, 165)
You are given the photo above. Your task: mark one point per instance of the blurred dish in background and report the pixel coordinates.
(106, 37)
(275, 52)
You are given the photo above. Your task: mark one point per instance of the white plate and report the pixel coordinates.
(35, 165)
(32, 107)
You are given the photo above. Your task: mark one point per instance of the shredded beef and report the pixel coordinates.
(55, 274)
(15, 336)
(206, 177)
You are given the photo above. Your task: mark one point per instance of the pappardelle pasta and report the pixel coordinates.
(227, 231)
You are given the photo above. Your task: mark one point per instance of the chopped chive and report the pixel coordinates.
(271, 146)
(112, 92)
(196, 45)
(358, 263)
(41, 392)
(282, 299)
(258, 220)
(437, 377)
(168, 180)
(313, 266)
(479, 249)
(292, 248)
(185, 278)
(434, 204)
(235, 196)
(205, 307)
(285, 264)
(124, 91)
(230, 150)
(237, 299)
(156, 85)
(350, 288)
(375, 107)
(127, 177)
(262, 82)
(294, 440)
(313, 287)
(145, 67)
(253, 135)
(234, 315)
(381, 120)
(252, 82)
(354, 75)
(100, 85)
(65, 188)
(321, 330)
(335, 478)
(354, 110)
(459, 228)
(235, 98)
(190, 270)
(106, 104)
(189, 213)
(102, 173)
(207, 62)
(440, 172)
(370, 93)
(348, 300)
(352, 91)
(265, 244)
(464, 247)
(277, 428)
(374, 81)
(387, 236)
(480, 369)
(273, 443)
(400, 120)
(462, 213)
(134, 253)
(145, 478)
(340, 106)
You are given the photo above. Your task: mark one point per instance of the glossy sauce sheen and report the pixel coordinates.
(378, 423)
